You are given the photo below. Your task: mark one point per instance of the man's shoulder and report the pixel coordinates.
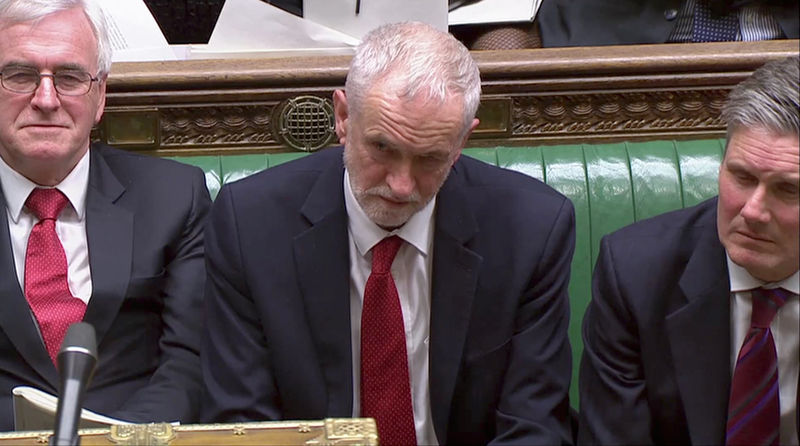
(124, 161)
(296, 172)
(475, 174)
(665, 242)
(677, 224)
(504, 202)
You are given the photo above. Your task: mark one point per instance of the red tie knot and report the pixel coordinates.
(383, 254)
(46, 203)
(766, 303)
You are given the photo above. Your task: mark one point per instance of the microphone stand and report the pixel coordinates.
(76, 362)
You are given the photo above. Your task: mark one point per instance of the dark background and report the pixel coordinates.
(192, 21)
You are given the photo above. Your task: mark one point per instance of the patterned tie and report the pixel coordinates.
(46, 285)
(754, 409)
(385, 387)
(710, 27)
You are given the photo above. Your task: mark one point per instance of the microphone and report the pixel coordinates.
(76, 361)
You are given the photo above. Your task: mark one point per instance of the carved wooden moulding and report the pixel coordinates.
(303, 123)
(306, 123)
(632, 114)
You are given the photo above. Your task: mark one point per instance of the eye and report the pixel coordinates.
(71, 79)
(788, 190)
(433, 159)
(743, 177)
(380, 146)
(20, 76)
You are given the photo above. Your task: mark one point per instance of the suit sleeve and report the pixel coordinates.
(173, 391)
(614, 407)
(534, 404)
(235, 357)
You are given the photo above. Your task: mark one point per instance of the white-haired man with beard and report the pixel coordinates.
(393, 278)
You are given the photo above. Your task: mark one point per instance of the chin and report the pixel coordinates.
(385, 217)
(766, 267)
(389, 220)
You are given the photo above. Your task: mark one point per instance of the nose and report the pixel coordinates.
(401, 180)
(45, 96)
(755, 209)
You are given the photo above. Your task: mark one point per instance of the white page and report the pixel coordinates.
(135, 35)
(49, 404)
(495, 11)
(340, 14)
(258, 27)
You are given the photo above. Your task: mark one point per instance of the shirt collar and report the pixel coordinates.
(417, 231)
(16, 187)
(741, 280)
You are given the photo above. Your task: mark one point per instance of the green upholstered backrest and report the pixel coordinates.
(611, 185)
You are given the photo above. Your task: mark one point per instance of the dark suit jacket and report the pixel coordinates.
(277, 343)
(144, 222)
(656, 366)
(621, 22)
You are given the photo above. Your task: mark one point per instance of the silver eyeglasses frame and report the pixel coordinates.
(54, 77)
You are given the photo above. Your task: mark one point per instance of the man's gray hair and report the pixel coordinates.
(13, 12)
(423, 59)
(770, 99)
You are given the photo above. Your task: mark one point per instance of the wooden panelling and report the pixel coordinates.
(530, 97)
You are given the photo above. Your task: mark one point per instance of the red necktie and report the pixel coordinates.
(754, 409)
(385, 386)
(46, 286)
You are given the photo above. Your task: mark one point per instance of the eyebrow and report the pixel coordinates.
(62, 67)
(14, 64)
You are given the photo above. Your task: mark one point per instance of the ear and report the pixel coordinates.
(341, 115)
(463, 141)
(101, 98)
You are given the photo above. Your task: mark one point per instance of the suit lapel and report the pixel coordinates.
(699, 336)
(16, 318)
(109, 232)
(455, 277)
(323, 270)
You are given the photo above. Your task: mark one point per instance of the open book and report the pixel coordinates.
(35, 409)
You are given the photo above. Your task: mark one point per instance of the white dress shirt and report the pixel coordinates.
(70, 224)
(411, 271)
(784, 331)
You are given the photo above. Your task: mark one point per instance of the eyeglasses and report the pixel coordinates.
(27, 80)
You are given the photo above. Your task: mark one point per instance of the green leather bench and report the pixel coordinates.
(611, 185)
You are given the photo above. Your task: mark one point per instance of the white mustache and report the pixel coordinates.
(384, 191)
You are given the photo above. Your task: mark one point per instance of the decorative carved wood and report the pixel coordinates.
(531, 97)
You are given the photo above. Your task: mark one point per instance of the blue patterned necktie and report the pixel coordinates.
(710, 27)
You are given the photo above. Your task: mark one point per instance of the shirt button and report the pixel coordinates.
(670, 14)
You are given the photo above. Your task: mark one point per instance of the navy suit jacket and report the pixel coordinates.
(144, 222)
(277, 343)
(656, 366)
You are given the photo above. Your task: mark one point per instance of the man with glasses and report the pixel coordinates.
(90, 233)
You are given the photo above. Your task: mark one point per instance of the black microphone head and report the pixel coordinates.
(76, 361)
(80, 338)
